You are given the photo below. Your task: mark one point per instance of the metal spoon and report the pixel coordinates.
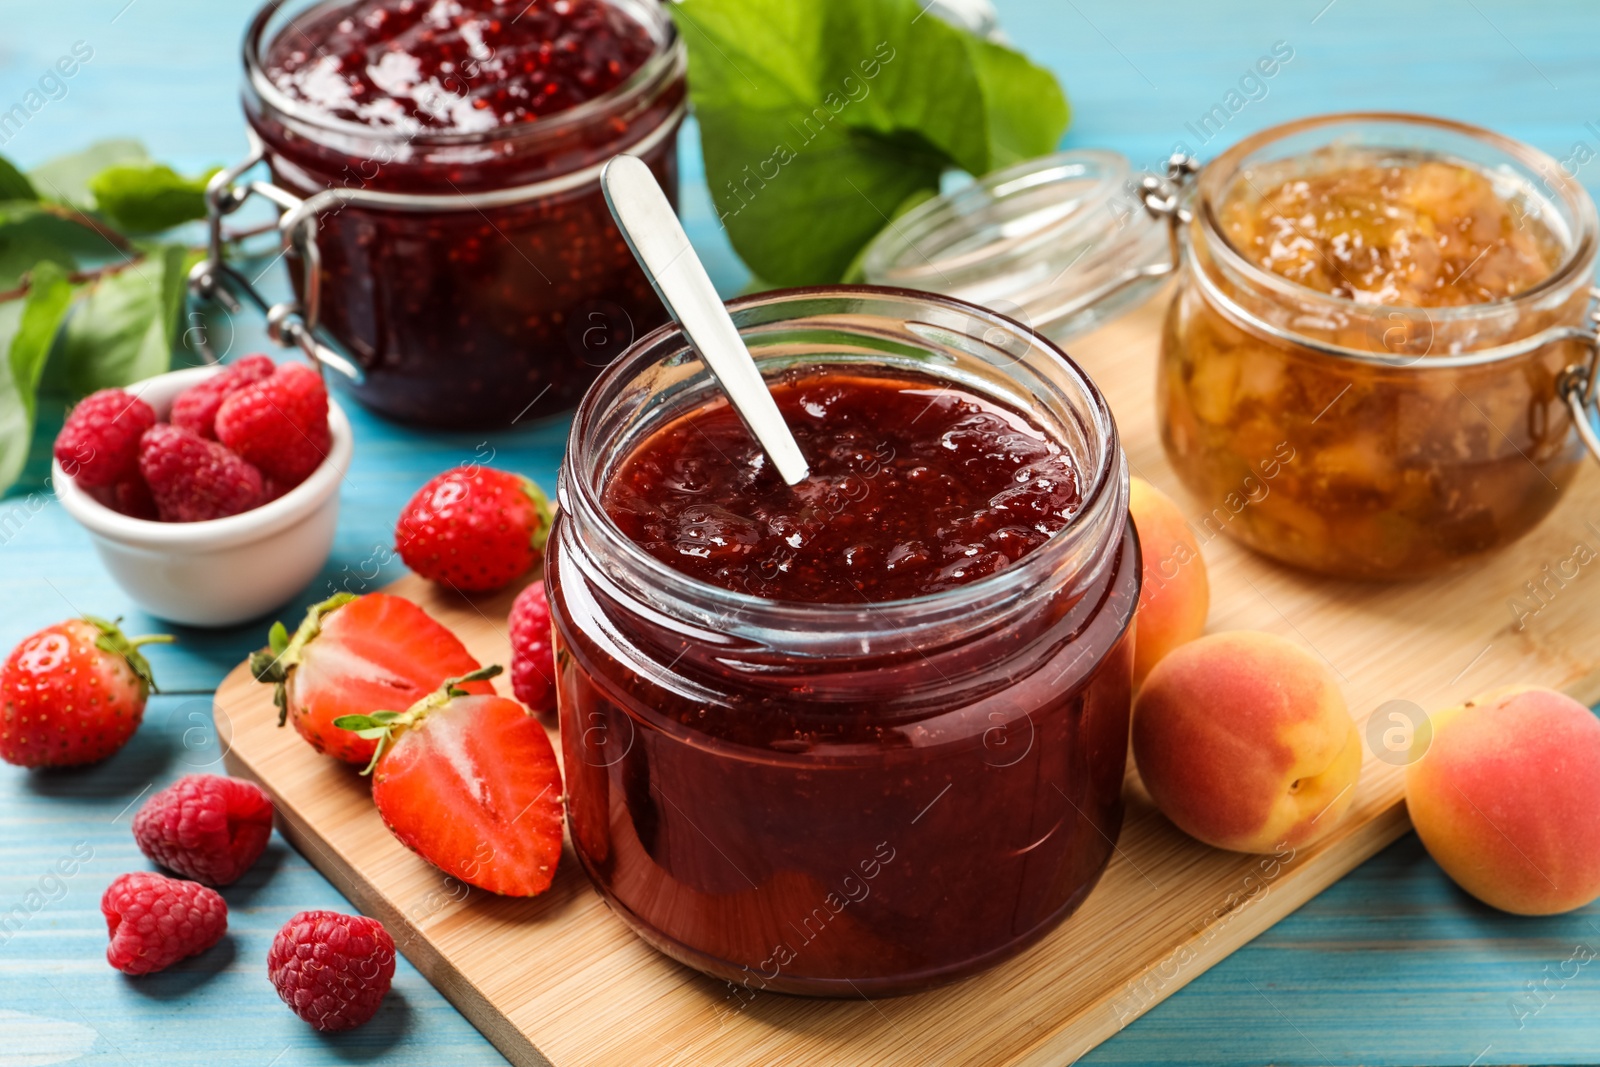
(653, 232)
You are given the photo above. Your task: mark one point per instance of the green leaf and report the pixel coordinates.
(854, 273)
(66, 179)
(27, 330)
(30, 233)
(373, 724)
(1024, 106)
(149, 197)
(123, 332)
(14, 185)
(482, 674)
(13, 211)
(819, 120)
(20, 252)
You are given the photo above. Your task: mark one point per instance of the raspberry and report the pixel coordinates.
(280, 424)
(332, 969)
(155, 921)
(193, 479)
(533, 662)
(196, 407)
(131, 497)
(205, 826)
(99, 444)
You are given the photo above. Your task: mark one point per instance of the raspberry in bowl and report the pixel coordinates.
(189, 527)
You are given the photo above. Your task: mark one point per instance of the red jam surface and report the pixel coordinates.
(883, 817)
(915, 487)
(460, 66)
(471, 315)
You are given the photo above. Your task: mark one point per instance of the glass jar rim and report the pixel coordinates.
(580, 497)
(1579, 255)
(669, 58)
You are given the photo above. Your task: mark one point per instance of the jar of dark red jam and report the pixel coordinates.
(866, 735)
(449, 156)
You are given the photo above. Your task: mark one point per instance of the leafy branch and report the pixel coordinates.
(77, 277)
(91, 280)
(820, 122)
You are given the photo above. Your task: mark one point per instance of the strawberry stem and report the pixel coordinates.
(452, 686)
(546, 512)
(271, 665)
(152, 639)
(387, 726)
(116, 643)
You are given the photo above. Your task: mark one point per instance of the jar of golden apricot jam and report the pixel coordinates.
(438, 169)
(867, 734)
(1365, 371)
(1381, 342)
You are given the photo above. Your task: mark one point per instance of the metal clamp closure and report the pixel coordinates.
(1576, 385)
(290, 323)
(1163, 199)
(294, 323)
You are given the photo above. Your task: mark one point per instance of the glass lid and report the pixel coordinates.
(1061, 244)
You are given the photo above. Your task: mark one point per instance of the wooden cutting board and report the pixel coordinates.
(560, 980)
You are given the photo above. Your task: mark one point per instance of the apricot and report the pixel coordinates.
(1243, 740)
(1176, 595)
(1506, 797)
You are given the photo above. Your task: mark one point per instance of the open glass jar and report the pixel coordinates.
(1400, 440)
(458, 278)
(1361, 432)
(836, 798)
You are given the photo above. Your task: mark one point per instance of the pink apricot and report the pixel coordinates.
(1506, 798)
(1243, 740)
(1176, 595)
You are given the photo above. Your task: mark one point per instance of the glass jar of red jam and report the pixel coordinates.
(868, 734)
(447, 156)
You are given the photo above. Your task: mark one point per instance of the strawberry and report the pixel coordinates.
(73, 693)
(353, 655)
(474, 529)
(469, 783)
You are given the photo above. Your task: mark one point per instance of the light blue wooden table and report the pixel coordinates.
(1390, 966)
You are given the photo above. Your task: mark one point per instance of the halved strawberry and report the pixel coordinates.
(353, 655)
(471, 784)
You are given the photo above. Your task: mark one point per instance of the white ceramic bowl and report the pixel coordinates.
(223, 571)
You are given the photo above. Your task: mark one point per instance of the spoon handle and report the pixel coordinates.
(653, 232)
